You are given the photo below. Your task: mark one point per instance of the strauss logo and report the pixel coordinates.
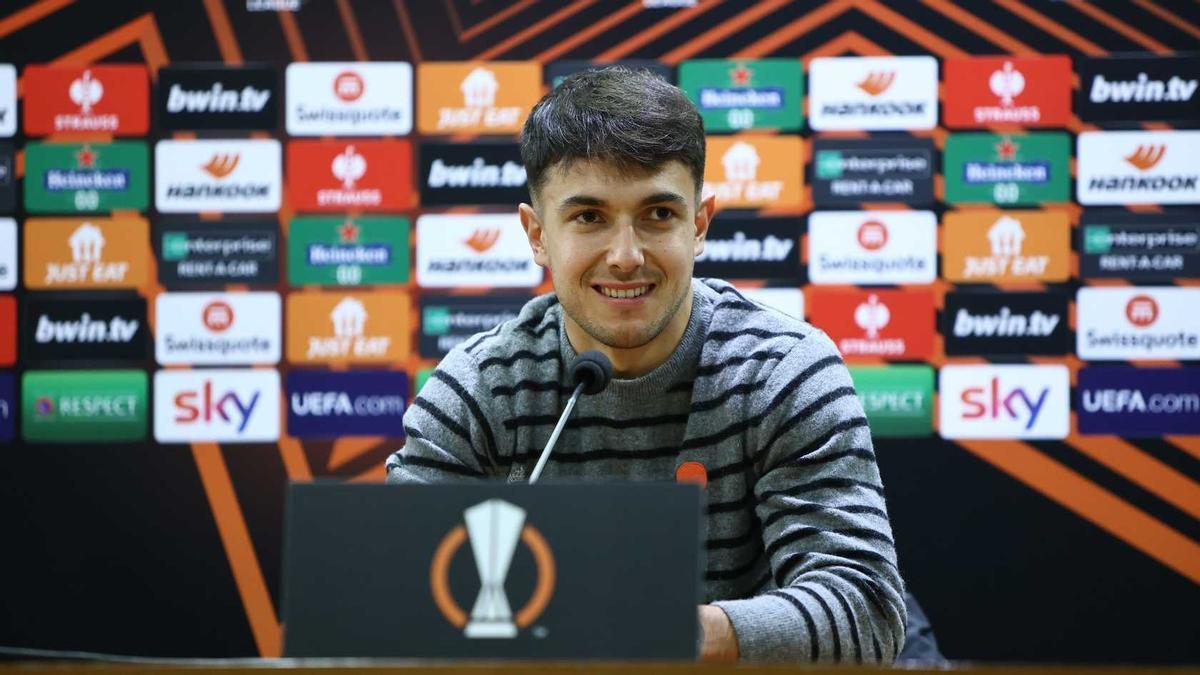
(872, 316)
(1146, 156)
(86, 92)
(875, 83)
(1007, 83)
(348, 166)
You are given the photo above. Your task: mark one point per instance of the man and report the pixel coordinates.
(800, 560)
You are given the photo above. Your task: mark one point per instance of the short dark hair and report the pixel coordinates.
(632, 118)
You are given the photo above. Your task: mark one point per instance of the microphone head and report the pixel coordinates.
(593, 369)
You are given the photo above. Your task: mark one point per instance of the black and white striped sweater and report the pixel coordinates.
(799, 550)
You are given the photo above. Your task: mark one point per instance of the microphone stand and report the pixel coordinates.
(562, 422)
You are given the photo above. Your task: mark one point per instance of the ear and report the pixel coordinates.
(704, 216)
(535, 233)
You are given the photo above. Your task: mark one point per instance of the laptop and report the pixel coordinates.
(493, 571)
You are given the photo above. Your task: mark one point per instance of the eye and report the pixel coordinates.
(661, 213)
(588, 217)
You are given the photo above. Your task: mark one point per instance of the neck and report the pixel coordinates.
(636, 361)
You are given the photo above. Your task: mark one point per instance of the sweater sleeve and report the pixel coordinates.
(839, 594)
(448, 435)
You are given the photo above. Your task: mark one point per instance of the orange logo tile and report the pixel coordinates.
(476, 97)
(71, 253)
(754, 171)
(346, 328)
(991, 246)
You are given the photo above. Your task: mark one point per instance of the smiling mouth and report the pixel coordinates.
(630, 293)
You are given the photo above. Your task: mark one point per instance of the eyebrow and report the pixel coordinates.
(656, 198)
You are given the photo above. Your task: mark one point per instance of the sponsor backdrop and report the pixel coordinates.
(233, 241)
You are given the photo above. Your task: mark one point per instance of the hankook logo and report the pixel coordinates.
(1138, 167)
(494, 528)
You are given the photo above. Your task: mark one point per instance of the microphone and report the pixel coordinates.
(590, 373)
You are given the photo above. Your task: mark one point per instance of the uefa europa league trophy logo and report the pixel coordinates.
(494, 527)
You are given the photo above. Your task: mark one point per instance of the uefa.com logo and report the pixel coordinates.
(495, 526)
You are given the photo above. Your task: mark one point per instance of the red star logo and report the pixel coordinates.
(86, 157)
(1006, 149)
(348, 232)
(740, 76)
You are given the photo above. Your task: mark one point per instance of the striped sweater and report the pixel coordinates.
(799, 547)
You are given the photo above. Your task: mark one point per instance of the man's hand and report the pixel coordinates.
(719, 641)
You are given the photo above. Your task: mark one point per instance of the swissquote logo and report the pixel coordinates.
(1141, 322)
(884, 323)
(193, 97)
(872, 247)
(8, 100)
(474, 250)
(218, 175)
(110, 99)
(479, 97)
(753, 171)
(366, 327)
(1012, 401)
(988, 246)
(493, 528)
(216, 406)
(1138, 167)
(1139, 88)
(218, 328)
(69, 253)
(751, 248)
(1002, 90)
(873, 93)
(349, 99)
(365, 175)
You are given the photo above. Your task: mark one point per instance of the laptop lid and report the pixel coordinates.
(492, 570)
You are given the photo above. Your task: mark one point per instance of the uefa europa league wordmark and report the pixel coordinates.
(494, 527)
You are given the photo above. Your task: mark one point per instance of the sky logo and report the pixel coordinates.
(995, 402)
(238, 406)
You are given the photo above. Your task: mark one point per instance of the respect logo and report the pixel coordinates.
(84, 406)
(897, 399)
(73, 253)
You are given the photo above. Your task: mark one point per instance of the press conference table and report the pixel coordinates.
(256, 667)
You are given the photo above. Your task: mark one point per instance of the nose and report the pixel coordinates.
(624, 250)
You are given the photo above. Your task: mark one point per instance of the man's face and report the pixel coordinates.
(620, 248)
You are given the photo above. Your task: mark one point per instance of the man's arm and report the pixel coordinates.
(825, 524)
(447, 433)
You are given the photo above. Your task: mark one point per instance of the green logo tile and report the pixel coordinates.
(84, 406)
(1009, 170)
(1097, 238)
(898, 400)
(733, 95)
(86, 177)
(339, 251)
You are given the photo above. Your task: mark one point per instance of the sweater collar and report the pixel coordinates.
(680, 365)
